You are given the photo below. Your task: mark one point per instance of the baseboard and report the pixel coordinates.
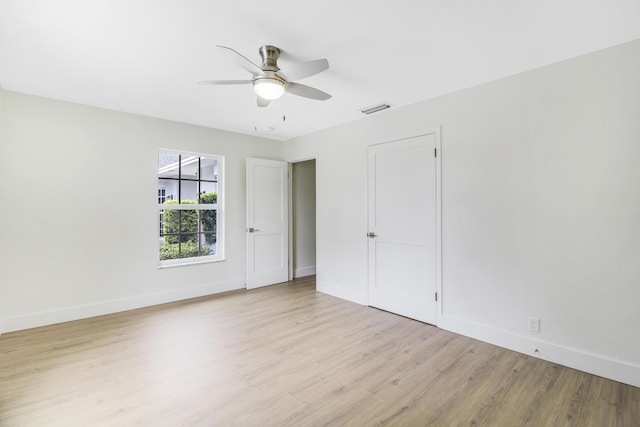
(304, 271)
(67, 314)
(596, 364)
(361, 298)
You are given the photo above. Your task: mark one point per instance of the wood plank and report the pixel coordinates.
(286, 355)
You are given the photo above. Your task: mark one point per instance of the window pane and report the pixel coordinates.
(208, 219)
(209, 192)
(168, 250)
(188, 191)
(208, 169)
(207, 244)
(168, 165)
(189, 248)
(170, 221)
(167, 190)
(208, 227)
(189, 167)
(188, 224)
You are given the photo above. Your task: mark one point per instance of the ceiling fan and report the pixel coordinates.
(269, 81)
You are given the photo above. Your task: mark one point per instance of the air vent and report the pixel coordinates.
(375, 108)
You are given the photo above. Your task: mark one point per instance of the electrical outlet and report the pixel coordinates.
(534, 324)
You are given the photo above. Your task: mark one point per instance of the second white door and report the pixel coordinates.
(402, 227)
(267, 222)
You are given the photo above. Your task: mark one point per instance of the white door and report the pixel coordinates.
(267, 222)
(402, 227)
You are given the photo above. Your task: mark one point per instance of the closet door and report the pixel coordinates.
(402, 223)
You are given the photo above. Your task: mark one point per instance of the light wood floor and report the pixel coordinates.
(287, 356)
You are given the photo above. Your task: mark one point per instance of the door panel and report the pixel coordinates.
(269, 247)
(395, 263)
(402, 215)
(267, 222)
(267, 197)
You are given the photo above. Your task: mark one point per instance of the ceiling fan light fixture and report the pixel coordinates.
(269, 88)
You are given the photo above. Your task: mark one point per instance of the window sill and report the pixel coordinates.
(187, 263)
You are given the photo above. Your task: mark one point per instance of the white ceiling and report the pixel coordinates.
(145, 56)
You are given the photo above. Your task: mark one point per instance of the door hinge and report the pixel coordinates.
(435, 152)
(436, 297)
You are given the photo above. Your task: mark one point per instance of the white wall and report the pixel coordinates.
(541, 208)
(304, 217)
(78, 223)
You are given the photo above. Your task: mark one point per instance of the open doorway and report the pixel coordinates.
(303, 219)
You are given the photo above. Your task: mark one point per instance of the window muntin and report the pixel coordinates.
(189, 207)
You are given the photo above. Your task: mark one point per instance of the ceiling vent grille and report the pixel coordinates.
(375, 108)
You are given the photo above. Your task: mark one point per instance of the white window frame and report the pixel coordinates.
(218, 207)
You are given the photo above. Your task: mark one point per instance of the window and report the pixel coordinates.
(189, 207)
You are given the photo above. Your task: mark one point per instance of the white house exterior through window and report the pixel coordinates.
(190, 207)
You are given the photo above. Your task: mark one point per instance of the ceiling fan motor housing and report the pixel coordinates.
(269, 55)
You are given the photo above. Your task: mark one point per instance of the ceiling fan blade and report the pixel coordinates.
(262, 102)
(304, 70)
(224, 82)
(242, 61)
(307, 91)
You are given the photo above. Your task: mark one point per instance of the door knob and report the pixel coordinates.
(251, 230)
(372, 234)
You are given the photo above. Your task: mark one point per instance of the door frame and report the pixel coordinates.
(432, 130)
(290, 190)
